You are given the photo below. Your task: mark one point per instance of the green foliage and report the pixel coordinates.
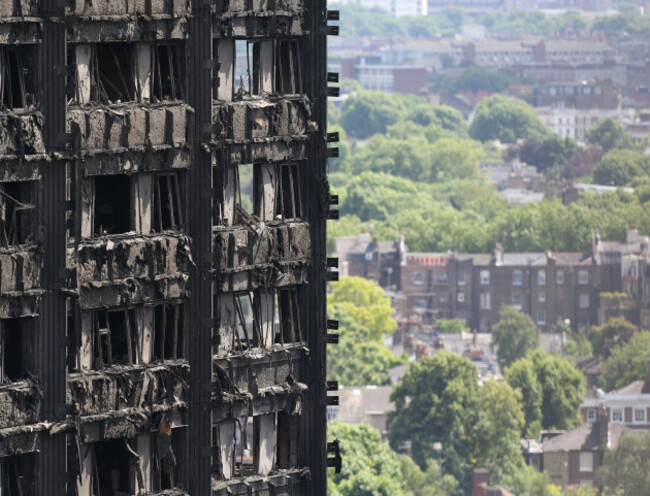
(561, 384)
(427, 482)
(619, 25)
(514, 335)
(608, 134)
(365, 316)
(613, 330)
(441, 116)
(522, 376)
(578, 345)
(619, 167)
(500, 423)
(549, 155)
(476, 79)
(627, 362)
(369, 112)
(506, 119)
(370, 467)
(528, 482)
(451, 326)
(627, 467)
(439, 400)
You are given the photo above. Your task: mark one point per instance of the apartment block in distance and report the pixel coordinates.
(164, 197)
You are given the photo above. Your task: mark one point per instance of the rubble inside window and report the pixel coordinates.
(17, 475)
(18, 218)
(17, 77)
(17, 349)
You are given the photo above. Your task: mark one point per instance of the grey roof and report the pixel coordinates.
(356, 403)
(583, 438)
(636, 387)
(519, 259)
(573, 258)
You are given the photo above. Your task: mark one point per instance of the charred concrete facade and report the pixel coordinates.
(164, 197)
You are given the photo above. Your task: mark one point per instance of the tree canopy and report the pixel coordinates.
(369, 112)
(627, 362)
(561, 385)
(627, 467)
(365, 314)
(608, 134)
(371, 468)
(506, 119)
(514, 335)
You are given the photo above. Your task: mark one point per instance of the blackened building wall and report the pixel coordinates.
(163, 185)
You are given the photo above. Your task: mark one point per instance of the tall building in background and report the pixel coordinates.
(398, 8)
(164, 198)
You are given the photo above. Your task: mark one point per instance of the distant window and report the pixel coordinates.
(516, 298)
(442, 277)
(591, 415)
(461, 297)
(485, 277)
(586, 461)
(559, 277)
(486, 301)
(617, 415)
(541, 296)
(583, 277)
(541, 317)
(461, 277)
(418, 279)
(541, 277)
(584, 300)
(420, 302)
(639, 415)
(443, 297)
(516, 278)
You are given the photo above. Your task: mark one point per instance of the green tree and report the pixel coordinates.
(627, 467)
(522, 377)
(436, 401)
(366, 302)
(506, 119)
(370, 112)
(427, 482)
(614, 330)
(608, 134)
(627, 363)
(514, 335)
(501, 420)
(561, 383)
(451, 326)
(528, 482)
(619, 167)
(370, 467)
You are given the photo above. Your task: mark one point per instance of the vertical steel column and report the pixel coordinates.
(50, 349)
(200, 230)
(314, 423)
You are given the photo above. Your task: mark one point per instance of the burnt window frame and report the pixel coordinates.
(289, 322)
(124, 86)
(102, 338)
(13, 469)
(96, 231)
(173, 201)
(20, 231)
(162, 319)
(27, 76)
(23, 334)
(283, 83)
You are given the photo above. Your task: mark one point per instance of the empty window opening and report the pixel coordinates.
(112, 74)
(17, 352)
(288, 316)
(17, 475)
(167, 74)
(246, 329)
(287, 203)
(169, 339)
(167, 202)
(18, 212)
(115, 337)
(112, 209)
(287, 68)
(113, 468)
(17, 77)
(244, 448)
(244, 67)
(71, 332)
(164, 460)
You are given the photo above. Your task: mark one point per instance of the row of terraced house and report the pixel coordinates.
(578, 289)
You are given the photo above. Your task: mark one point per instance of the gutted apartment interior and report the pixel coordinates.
(163, 200)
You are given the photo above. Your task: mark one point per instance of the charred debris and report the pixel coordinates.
(163, 201)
